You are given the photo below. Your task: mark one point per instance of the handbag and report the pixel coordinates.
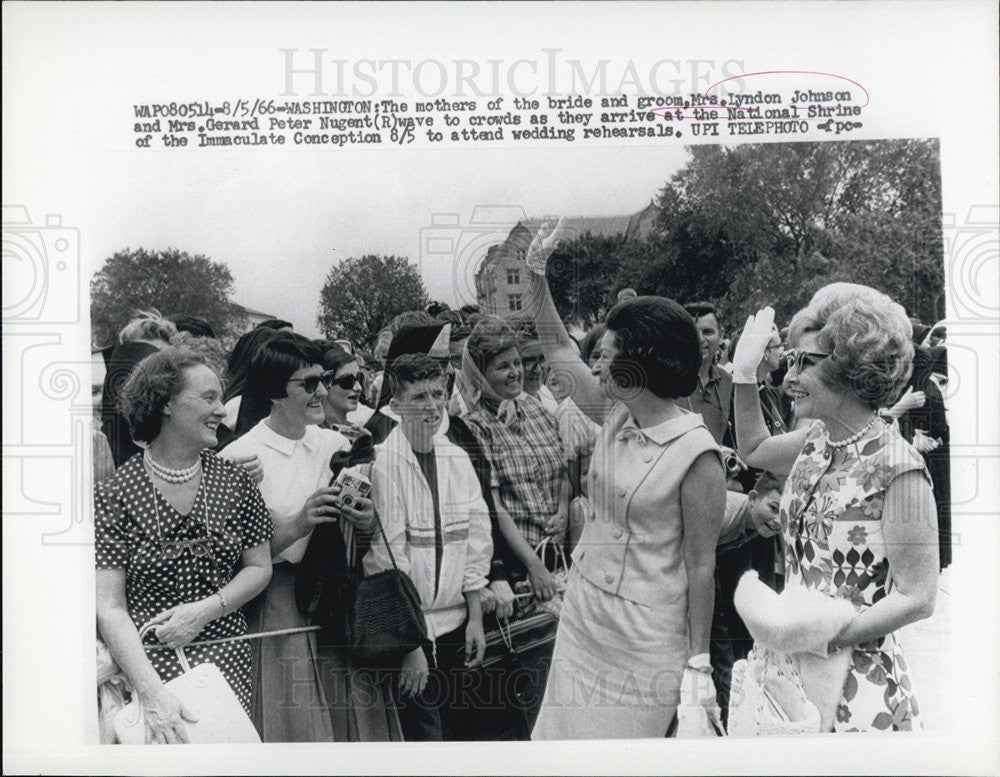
(768, 698)
(560, 576)
(207, 694)
(387, 620)
(514, 640)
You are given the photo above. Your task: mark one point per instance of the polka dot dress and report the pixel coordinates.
(228, 517)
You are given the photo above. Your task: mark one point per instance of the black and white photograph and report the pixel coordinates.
(631, 411)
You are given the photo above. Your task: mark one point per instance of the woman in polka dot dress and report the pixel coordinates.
(182, 540)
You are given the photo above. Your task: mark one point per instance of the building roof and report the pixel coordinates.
(250, 312)
(629, 226)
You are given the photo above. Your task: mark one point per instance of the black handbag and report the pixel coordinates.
(387, 621)
(324, 577)
(519, 638)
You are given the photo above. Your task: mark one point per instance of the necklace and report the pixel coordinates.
(856, 436)
(174, 549)
(171, 475)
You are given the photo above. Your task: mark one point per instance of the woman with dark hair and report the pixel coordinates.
(636, 620)
(343, 408)
(241, 418)
(181, 539)
(292, 686)
(857, 512)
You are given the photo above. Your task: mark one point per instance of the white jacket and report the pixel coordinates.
(406, 508)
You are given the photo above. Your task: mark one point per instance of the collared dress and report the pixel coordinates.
(831, 520)
(622, 641)
(133, 523)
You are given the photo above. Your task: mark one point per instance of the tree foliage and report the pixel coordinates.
(170, 281)
(770, 224)
(758, 225)
(362, 295)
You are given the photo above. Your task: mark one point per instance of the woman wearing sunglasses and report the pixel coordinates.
(181, 541)
(857, 513)
(343, 409)
(289, 702)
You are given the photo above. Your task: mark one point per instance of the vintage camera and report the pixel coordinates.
(732, 464)
(352, 487)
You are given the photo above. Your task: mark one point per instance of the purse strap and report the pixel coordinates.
(181, 658)
(561, 556)
(504, 629)
(392, 558)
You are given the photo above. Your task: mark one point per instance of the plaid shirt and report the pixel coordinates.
(528, 461)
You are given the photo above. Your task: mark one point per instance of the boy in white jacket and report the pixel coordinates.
(431, 506)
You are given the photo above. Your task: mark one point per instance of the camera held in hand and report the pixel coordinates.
(352, 488)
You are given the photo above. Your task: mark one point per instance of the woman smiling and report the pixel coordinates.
(857, 512)
(181, 539)
(290, 703)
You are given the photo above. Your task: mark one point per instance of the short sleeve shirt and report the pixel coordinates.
(527, 459)
(293, 471)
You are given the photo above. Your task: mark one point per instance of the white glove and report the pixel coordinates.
(753, 342)
(698, 714)
(543, 245)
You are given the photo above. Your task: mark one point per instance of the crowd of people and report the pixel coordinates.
(649, 458)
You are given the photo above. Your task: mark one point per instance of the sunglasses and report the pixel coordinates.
(346, 383)
(802, 359)
(311, 384)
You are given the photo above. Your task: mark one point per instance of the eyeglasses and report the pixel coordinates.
(802, 359)
(170, 551)
(311, 384)
(347, 382)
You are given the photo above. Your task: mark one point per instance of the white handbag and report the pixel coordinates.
(207, 694)
(767, 697)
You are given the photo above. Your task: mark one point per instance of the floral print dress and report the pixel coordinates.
(831, 518)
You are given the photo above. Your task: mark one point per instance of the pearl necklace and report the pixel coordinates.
(171, 475)
(854, 437)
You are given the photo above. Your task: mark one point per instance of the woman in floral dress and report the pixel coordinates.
(857, 514)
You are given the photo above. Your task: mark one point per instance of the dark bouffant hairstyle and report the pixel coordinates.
(490, 337)
(153, 383)
(590, 341)
(411, 368)
(274, 323)
(658, 347)
(198, 327)
(276, 359)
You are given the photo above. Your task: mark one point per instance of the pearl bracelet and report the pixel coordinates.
(222, 600)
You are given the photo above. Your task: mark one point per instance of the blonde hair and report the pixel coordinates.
(869, 337)
(148, 325)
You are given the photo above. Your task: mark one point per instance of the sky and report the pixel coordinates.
(281, 221)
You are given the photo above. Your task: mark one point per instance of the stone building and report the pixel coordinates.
(502, 277)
